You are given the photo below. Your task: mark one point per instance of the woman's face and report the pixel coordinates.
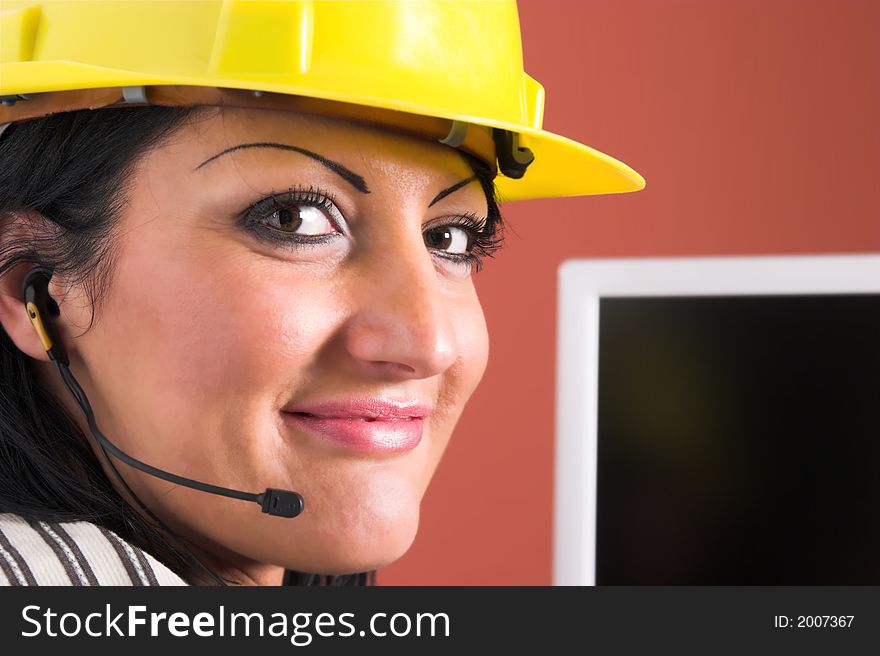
(324, 300)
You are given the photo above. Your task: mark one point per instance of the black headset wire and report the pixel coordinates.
(85, 406)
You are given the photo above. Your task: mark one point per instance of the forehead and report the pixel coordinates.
(369, 149)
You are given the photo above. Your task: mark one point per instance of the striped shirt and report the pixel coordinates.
(73, 553)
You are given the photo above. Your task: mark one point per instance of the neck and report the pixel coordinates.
(238, 572)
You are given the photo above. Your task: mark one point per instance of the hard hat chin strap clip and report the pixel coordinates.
(9, 101)
(135, 95)
(457, 134)
(513, 159)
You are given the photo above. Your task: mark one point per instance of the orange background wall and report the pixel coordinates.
(757, 126)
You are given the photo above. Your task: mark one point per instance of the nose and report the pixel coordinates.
(403, 326)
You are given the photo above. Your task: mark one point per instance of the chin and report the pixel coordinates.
(365, 547)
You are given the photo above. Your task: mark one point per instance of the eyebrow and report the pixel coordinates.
(458, 185)
(346, 174)
(355, 180)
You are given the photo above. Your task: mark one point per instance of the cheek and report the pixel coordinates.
(240, 332)
(205, 354)
(461, 379)
(475, 345)
(472, 340)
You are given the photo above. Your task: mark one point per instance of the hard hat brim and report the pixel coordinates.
(564, 167)
(561, 166)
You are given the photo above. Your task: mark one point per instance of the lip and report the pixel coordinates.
(367, 425)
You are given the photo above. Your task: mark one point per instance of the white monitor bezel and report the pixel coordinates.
(582, 282)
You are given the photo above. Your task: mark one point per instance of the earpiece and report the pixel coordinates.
(40, 309)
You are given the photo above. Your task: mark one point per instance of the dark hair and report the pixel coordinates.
(73, 169)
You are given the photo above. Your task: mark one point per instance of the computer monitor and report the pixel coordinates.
(718, 421)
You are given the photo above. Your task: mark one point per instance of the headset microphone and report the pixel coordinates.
(40, 307)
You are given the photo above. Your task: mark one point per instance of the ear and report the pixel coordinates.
(13, 314)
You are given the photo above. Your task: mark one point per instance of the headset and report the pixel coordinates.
(40, 308)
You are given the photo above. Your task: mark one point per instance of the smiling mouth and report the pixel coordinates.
(382, 434)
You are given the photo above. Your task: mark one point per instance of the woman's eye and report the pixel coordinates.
(300, 219)
(449, 239)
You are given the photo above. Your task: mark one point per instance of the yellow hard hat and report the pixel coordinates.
(451, 69)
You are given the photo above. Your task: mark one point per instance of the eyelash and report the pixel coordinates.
(484, 243)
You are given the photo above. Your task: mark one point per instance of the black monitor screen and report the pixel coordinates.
(739, 441)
